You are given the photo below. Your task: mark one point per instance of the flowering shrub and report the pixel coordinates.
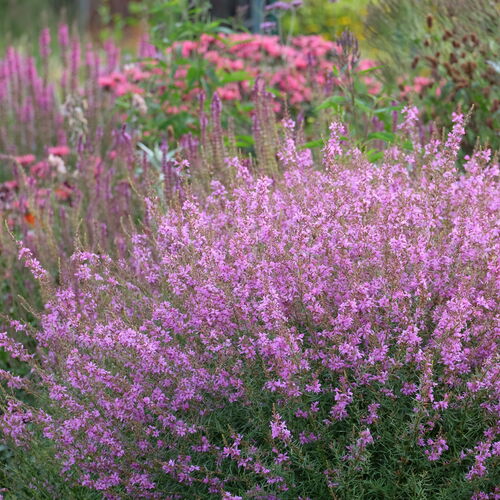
(63, 157)
(300, 73)
(325, 332)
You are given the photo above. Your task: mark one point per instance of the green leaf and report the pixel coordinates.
(388, 109)
(193, 75)
(274, 92)
(244, 141)
(408, 145)
(235, 76)
(374, 155)
(312, 144)
(244, 107)
(225, 30)
(382, 136)
(363, 106)
(331, 102)
(369, 70)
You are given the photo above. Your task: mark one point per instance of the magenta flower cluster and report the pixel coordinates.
(244, 328)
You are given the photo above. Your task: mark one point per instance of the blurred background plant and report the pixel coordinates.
(193, 53)
(331, 18)
(22, 21)
(441, 56)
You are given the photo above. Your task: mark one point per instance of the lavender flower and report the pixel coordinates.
(268, 26)
(279, 6)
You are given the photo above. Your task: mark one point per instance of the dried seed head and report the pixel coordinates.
(430, 21)
(449, 69)
(433, 62)
(350, 49)
(447, 34)
(469, 68)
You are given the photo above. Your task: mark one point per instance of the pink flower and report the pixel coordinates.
(365, 64)
(279, 6)
(279, 429)
(25, 159)
(229, 93)
(106, 82)
(420, 83)
(11, 185)
(40, 169)
(436, 448)
(59, 150)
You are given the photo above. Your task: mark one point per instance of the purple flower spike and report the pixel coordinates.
(279, 6)
(268, 26)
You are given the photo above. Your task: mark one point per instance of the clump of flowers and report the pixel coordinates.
(300, 73)
(38, 103)
(275, 338)
(293, 68)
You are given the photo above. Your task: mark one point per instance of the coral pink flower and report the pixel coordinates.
(229, 93)
(63, 192)
(40, 169)
(106, 82)
(365, 64)
(59, 150)
(187, 47)
(25, 159)
(420, 83)
(10, 185)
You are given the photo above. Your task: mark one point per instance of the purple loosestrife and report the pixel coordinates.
(268, 26)
(278, 322)
(279, 6)
(279, 429)
(31, 100)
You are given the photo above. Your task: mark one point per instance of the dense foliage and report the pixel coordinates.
(442, 58)
(230, 267)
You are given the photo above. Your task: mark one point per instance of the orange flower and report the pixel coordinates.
(29, 218)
